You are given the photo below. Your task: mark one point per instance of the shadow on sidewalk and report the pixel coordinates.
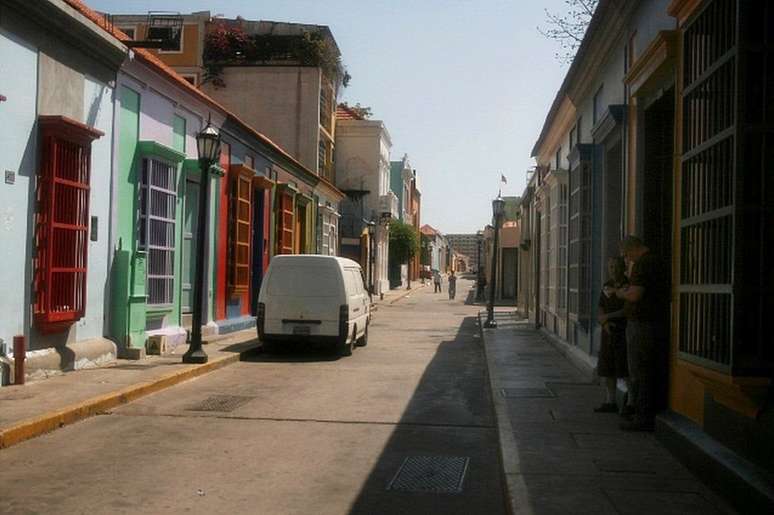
(448, 424)
(550, 432)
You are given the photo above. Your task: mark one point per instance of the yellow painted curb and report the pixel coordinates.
(36, 426)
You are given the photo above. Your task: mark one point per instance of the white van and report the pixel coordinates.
(315, 298)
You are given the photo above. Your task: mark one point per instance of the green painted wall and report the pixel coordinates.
(128, 269)
(178, 133)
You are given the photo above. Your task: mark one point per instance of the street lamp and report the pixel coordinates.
(498, 207)
(208, 147)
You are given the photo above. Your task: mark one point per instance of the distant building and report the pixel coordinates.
(437, 247)
(467, 245)
(363, 174)
(403, 185)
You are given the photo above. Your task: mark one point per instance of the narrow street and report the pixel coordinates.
(297, 432)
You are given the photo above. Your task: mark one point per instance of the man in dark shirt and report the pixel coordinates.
(643, 305)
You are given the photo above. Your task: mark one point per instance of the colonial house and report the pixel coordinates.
(56, 104)
(283, 79)
(507, 253)
(414, 215)
(363, 173)
(660, 129)
(437, 249)
(402, 176)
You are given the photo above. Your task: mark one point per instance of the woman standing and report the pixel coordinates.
(612, 353)
(452, 285)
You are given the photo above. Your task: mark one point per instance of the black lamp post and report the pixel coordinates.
(208, 147)
(498, 207)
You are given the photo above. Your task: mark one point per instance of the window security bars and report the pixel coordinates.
(62, 233)
(725, 228)
(562, 246)
(579, 236)
(158, 205)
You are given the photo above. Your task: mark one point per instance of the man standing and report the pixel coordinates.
(437, 281)
(643, 302)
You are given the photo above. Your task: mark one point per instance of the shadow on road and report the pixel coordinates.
(292, 353)
(450, 415)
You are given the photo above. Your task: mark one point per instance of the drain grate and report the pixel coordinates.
(222, 403)
(514, 393)
(432, 474)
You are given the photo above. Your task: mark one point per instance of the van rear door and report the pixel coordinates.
(304, 294)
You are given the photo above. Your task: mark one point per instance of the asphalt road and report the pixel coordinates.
(404, 425)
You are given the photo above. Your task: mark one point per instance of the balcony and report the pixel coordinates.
(388, 206)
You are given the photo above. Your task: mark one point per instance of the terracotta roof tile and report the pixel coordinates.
(344, 112)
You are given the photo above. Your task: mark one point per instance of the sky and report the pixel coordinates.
(463, 86)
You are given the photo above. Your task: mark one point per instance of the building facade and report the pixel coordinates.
(57, 159)
(641, 139)
(363, 173)
(467, 245)
(277, 92)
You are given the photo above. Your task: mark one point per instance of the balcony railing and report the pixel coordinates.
(388, 205)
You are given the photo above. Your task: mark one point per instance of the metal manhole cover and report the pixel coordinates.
(222, 403)
(432, 474)
(513, 393)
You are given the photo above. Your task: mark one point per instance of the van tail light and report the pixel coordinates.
(261, 319)
(343, 323)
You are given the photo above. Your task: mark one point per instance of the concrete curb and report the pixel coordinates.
(36, 426)
(508, 449)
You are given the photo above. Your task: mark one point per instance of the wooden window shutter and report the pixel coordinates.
(241, 229)
(285, 231)
(62, 222)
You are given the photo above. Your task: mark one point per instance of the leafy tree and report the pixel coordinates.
(568, 28)
(404, 243)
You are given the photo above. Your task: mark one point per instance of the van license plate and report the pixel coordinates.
(301, 330)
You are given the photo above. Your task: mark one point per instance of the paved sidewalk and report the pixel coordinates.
(42, 406)
(561, 458)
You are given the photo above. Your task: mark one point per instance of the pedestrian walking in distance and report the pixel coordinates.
(612, 364)
(452, 285)
(437, 281)
(644, 299)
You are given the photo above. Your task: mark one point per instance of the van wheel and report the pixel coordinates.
(345, 349)
(363, 340)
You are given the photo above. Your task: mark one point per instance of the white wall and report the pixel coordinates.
(18, 142)
(98, 113)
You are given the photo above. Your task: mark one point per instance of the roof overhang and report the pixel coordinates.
(64, 21)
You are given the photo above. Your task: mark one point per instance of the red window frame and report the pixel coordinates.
(62, 222)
